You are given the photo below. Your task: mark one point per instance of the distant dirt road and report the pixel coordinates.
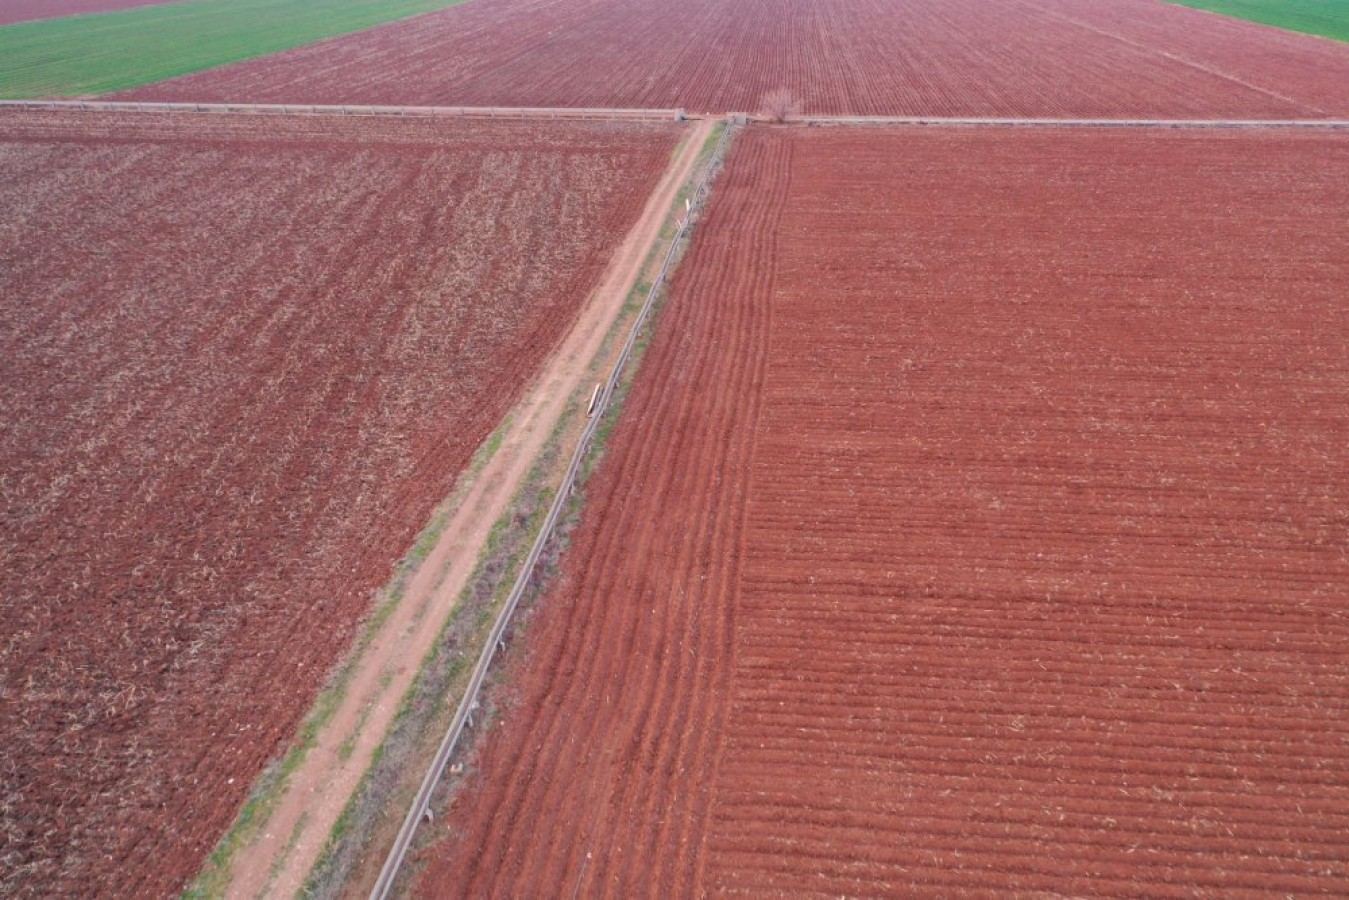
(279, 860)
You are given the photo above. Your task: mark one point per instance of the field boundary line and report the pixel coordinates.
(1070, 123)
(351, 109)
(617, 113)
(463, 715)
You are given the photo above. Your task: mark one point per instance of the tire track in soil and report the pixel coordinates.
(506, 820)
(762, 253)
(673, 486)
(576, 657)
(736, 397)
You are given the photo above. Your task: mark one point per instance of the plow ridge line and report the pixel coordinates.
(389, 873)
(310, 109)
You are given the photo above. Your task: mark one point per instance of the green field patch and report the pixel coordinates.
(95, 54)
(1327, 18)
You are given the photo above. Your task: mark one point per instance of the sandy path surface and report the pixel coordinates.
(279, 859)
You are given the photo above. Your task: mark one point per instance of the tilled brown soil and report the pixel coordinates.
(12, 11)
(979, 520)
(1018, 58)
(243, 358)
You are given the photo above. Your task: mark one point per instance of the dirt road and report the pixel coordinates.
(279, 859)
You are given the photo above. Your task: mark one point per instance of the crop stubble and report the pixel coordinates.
(243, 359)
(978, 520)
(1073, 58)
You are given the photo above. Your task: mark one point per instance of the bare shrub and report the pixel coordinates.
(780, 105)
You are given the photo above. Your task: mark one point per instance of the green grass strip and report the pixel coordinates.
(1327, 18)
(95, 54)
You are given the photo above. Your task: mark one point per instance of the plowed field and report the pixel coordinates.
(979, 519)
(12, 11)
(242, 359)
(1080, 58)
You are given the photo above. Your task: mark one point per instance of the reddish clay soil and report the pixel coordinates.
(979, 520)
(12, 11)
(243, 358)
(1078, 58)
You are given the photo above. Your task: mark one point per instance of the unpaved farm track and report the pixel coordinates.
(277, 863)
(623, 676)
(976, 522)
(527, 575)
(243, 360)
(1019, 58)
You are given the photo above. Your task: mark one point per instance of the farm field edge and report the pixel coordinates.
(253, 160)
(121, 49)
(753, 696)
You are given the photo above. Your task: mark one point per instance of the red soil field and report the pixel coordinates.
(1059, 58)
(12, 11)
(979, 519)
(243, 358)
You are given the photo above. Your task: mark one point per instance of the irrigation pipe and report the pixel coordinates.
(463, 715)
